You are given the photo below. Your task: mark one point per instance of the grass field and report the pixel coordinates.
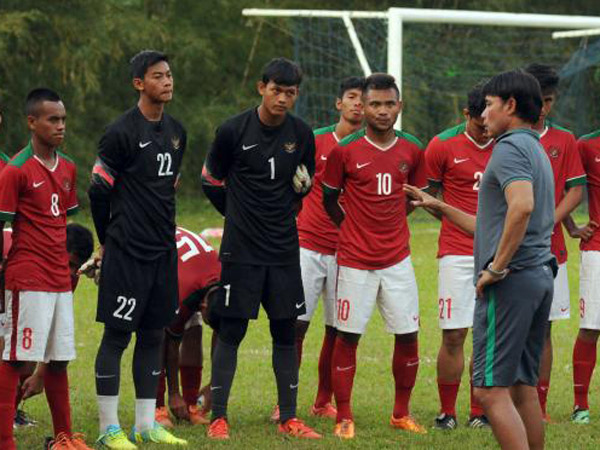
(253, 394)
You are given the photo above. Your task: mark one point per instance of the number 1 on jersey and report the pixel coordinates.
(272, 163)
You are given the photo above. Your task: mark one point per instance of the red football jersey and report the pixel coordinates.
(315, 229)
(37, 200)
(589, 149)
(198, 264)
(561, 148)
(455, 163)
(374, 234)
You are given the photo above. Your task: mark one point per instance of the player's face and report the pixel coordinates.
(350, 106)
(381, 107)
(476, 129)
(497, 114)
(548, 100)
(49, 124)
(277, 99)
(157, 83)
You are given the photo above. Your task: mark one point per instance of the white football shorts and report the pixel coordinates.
(319, 272)
(561, 302)
(589, 290)
(39, 326)
(456, 292)
(393, 289)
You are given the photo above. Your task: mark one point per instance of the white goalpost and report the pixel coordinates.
(395, 18)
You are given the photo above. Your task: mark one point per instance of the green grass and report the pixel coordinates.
(253, 394)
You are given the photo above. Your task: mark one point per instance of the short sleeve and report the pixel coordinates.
(513, 165)
(575, 172)
(72, 202)
(435, 162)
(12, 181)
(220, 155)
(582, 151)
(418, 173)
(334, 170)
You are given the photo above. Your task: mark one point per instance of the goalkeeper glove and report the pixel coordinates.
(301, 181)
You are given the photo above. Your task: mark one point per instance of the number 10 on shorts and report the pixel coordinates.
(343, 309)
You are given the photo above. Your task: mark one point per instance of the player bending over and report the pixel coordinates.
(318, 241)
(37, 192)
(257, 155)
(373, 254)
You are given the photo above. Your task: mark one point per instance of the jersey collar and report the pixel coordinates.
(479, 146)
(383, 149)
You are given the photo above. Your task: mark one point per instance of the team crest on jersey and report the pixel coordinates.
(289, 147)
(176, 142)
(403, 167)
(67, 184)
(554, 152)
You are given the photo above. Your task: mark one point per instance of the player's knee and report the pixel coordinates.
(117, 340)
(149, 338)
(588, 335)
(283, 331)
(232, 331)
(350, 338)
(57, 366)
(407, 338)
(301, 328)
(454, 339)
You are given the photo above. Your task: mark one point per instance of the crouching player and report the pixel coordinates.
(37, 192)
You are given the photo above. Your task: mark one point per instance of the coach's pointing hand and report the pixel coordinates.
(421, 198)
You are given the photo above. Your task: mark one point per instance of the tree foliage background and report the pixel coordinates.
(81, 48)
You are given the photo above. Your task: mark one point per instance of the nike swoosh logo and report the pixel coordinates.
(360, 166)
(248, 147)
(156, 373)
(415, 318)
(214, 388)
(299, 305)
(294, 386)
(411, 364)
(458, 161)
(564, 309)
(37, 185)
(343, 369)
(105, 376)
(323, 158)
(145, 144)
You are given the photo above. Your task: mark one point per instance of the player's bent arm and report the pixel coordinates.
(576, 232)
(214, 190)
(332, 206)
(434, 190)
(103, 180)
(569, 202)
(520, 200)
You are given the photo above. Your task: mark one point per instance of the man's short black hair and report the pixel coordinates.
(476, 100)
(351, 83)
(381, 82)
(546, 75)
(79, 241)
(143, 60)
(282, 71)
(37, 96)
(521, 86)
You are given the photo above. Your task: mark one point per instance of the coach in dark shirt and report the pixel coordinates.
(248, 176)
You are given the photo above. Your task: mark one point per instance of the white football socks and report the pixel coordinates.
(108, 410)
(144, 414)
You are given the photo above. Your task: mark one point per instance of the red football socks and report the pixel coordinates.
(9, 378)
(476, 408)
(405, 365)
(448, 391)
(191, 378)
(543, 387)
(343, 368)
(584, 361)
(325, 391)
(56, 385)
(162, 388)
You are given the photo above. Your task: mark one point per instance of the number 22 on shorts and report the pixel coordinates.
(125, 308)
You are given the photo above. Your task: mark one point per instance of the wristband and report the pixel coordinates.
(499, 274)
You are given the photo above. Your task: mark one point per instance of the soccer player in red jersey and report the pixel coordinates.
(584, 351)
(37, 192)
(199, 271)
(456, 160)
(373, 254)
(569, 180)
(318, 241)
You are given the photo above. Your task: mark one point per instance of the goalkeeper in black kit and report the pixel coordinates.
(258, 168)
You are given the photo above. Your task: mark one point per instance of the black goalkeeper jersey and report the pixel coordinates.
(258, 163)
(145, 158)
